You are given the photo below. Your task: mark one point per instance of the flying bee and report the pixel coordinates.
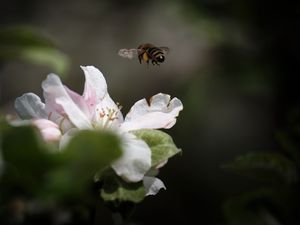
(146, 53)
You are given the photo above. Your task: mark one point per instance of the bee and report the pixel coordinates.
(146, 53)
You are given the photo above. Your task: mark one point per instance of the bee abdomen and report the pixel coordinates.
(153, 51)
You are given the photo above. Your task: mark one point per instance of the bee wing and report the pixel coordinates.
(165, 49)
(128, 53)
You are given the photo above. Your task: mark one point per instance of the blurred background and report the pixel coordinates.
(234, 64)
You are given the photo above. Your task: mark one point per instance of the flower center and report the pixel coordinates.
(106, 117)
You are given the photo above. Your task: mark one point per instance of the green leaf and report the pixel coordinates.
(23, 36)
(116, 189)
(27, 44)
(26, 158)
(87, 153)
(46, 56)
(270, 167)
(161, 144)
(251, 208)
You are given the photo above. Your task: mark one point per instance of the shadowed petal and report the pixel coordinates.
(135, 161)
(29, 106)
(153, 185)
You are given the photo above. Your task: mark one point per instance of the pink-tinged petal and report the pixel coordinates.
(51, 134)
(49, 130)
(56, 97)
(161, 112)
(153, 185)
(29, 106)
(79, 101)
(44, 123)
(135, 160)
(95, 87)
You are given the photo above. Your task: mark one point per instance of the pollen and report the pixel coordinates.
(102, 113)
(108, 115)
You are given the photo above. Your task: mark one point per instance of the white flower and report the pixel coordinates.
(64, 112)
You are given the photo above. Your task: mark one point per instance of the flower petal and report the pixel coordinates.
(95, 85)
(29, 106)
(135, 160)
(161, 112)
(57, 98)
(153, 185)
(67, 137)
(49, 130)
(79, 101)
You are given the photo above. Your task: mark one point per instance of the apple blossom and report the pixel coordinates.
(65, 112)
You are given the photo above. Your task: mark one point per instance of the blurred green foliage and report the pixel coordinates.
(34, 171)
(28, 44)
(275, 200)
(116, 189)
(268, 167)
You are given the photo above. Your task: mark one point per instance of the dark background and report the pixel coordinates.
(234, 64)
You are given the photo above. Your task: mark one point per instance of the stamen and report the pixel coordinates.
(107, 115)
(119, 106)
(61, 124)
(49, 115)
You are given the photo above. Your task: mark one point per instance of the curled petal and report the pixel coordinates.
(49, 130)
(29, 106)
(57, 98)
(135, 160)
(95, 85)
(153, 185)
(161, 112)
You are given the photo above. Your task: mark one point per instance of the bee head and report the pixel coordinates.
(160, 58)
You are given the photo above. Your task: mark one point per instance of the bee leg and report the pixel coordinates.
(154, 62)
(140, 59)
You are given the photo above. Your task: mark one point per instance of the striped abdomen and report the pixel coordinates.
(156, 55)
